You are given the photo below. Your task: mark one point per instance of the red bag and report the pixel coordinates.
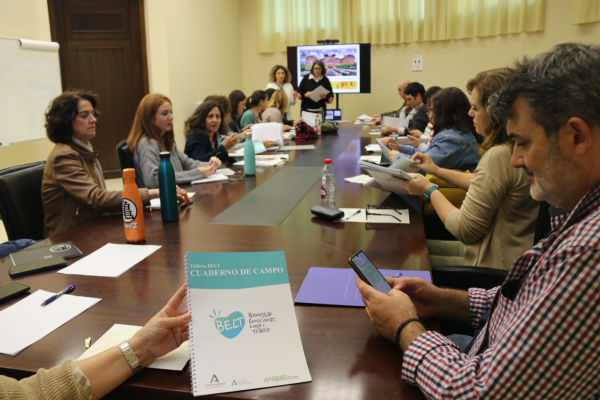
(304, 131)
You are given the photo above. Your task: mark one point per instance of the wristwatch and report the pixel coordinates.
(427, 194)
(130, 356)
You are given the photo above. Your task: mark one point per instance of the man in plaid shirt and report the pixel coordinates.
(542, 338)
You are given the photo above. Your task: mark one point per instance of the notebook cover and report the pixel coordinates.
(28, 255)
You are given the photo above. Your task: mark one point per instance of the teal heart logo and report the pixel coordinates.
(229, 326)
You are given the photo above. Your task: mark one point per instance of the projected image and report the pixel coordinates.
(341, 62)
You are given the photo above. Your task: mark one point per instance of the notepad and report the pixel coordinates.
(212, 178)
(226, 171)
(31, 254)
(337, 286)
(117, 334)
(26, 322)
(111, 260)
(300, 147)
(155, 203)
(373, 148)
(362, 179)
(264, 163)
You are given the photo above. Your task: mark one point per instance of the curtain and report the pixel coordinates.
(583, 11)
(283, 23)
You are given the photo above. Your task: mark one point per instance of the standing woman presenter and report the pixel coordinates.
(279, 79)
(311, 82)
(151, 134)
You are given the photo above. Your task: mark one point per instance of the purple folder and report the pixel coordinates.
(337, 286)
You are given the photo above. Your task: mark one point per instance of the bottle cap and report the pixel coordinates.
(165, 154)
(129, 173)
(327, 161)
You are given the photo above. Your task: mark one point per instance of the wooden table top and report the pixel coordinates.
(346, 357)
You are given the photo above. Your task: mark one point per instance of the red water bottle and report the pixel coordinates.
(133, 211)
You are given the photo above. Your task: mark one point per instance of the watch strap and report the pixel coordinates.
(130, 356)
(427, 194)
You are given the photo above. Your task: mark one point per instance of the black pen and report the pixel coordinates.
(185, 205)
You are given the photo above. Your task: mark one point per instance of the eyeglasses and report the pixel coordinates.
(376, 207)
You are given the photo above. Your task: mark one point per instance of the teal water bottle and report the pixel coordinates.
(168, 190)
(249, 156)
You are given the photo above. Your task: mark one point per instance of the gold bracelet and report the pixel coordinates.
(130, 356)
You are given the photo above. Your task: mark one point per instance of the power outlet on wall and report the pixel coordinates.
(417, 65)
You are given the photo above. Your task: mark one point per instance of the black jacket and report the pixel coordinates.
(308, 85)
(199, 148)
(420, 120)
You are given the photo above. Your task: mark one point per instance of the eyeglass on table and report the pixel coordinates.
(376, 207)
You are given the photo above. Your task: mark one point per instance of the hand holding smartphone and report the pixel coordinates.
(366, 271)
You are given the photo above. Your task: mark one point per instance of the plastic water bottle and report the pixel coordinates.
(168, 190)
(318, 125)
(328, 184)
(249, 156)
(133, 211)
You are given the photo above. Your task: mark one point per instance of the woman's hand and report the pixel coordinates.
(267, 143)
(163, 333)
(215, 161)
(286, 128)
(210, 169)
(416, 186)
(387, 129)
(231, 141)
(424, 161)
(414, 142)
(390, 141)
(153, 193)
(416, 133)
(182, 195)
(296, 122)
(392, 154)
(307, 95)
(247, 128)
(322, 95)
(295, 94)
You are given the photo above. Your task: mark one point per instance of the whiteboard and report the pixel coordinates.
(29, 80)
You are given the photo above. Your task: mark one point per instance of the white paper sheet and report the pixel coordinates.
(300, 147)
(271, 156)
(373, 147)
(365, 117)
(26, 322)
(264, 163)
(226, 171)
(272, 131)
(375, 132)
(155, 203)
(310, 118)
(374, 159)
(117, 334)
(111, 260)
(402, 215)
(315, 95)
(212, 178)
(362, 179)
(396, 122)
(359, 122)
(258, 148)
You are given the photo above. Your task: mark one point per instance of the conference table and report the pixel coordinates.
(346, 357)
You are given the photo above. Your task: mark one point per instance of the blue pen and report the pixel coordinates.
(358, 212)
(57, 295)
(186, 205)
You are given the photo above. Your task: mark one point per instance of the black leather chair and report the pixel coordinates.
(125, 155)
(21, 206)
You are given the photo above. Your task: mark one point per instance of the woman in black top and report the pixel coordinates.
(202, 132)
(310, 82)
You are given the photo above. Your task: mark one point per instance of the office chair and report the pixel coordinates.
(125, 155)
(21, 206)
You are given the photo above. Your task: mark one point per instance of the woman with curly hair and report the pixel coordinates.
(280, 79)
(152, 134)
(73, 187)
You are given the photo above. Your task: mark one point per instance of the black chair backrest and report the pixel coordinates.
(542, 227)
(464, 277)
(125, 155)
(21, 206)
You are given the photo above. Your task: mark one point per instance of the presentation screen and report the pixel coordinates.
(348, 65)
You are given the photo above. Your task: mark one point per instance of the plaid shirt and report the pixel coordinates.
(543, 337)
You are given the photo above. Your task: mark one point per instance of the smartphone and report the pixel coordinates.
(365, 269)
(12, 290)
(37, 266)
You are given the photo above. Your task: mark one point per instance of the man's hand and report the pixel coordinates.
(416, 186)
(386, 311)
(387, 129)
(416, 133)
(425, 296)
(163, 333)
(392, 142)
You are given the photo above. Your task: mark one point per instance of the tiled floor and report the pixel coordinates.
(111, 184)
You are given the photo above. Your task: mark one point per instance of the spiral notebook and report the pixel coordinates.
(243, 333)
(32, 254)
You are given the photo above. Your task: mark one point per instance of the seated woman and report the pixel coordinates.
(151, 134)
(454, 141)
(276, 109)
(255, 105)
(237, 101)
(202, 131)
(279, 79)
(497, 219)
(98, 375)
(73, 187)
(315, 79)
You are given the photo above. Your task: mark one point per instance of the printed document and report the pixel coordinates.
(315, 95)
(395, 122)
(272, 131)
(310, 118)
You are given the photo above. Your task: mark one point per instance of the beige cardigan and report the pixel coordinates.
(498, 216)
